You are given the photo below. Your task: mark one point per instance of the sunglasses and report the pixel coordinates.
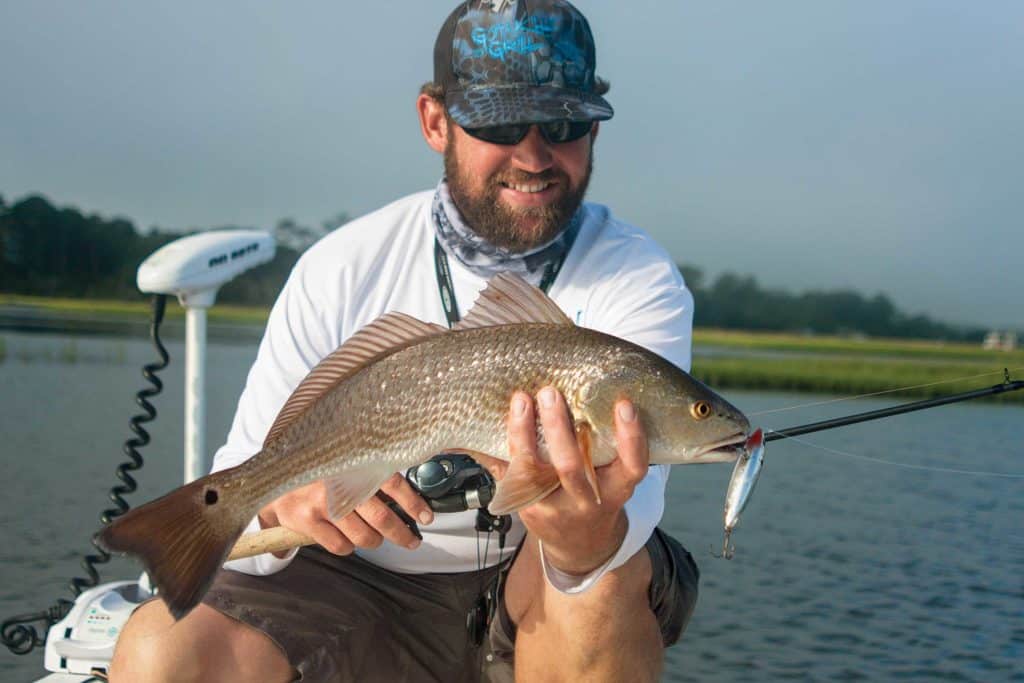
(555, 132)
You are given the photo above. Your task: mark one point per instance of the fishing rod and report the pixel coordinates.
(748, 465)
(1005, 386)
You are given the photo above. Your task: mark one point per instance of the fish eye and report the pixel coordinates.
(211, 497)
(700, 410)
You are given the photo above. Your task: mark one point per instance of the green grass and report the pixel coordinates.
(838, 365)
(901, 348)
(109, 308)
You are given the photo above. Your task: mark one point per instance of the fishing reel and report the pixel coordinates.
(452, 482)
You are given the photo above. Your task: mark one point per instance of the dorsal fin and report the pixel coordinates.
(385, 335)
(508, 300)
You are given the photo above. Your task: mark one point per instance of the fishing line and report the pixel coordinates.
(948, 470)
(886, 391)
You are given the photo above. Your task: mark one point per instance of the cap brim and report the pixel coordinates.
(497, 106)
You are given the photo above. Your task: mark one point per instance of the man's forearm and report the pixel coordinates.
(608, 633)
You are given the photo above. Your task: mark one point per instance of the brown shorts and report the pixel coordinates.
(344, 619)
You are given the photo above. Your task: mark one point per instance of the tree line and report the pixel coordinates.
(61, 252)
(737, 302)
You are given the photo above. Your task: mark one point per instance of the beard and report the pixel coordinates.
(514, 229)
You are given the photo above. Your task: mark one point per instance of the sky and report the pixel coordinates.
(870, 145)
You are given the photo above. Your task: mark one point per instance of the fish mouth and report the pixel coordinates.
(726, 450)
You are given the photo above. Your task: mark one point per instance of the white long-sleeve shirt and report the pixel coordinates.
(615, 279)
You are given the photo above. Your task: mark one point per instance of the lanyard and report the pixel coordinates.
(447, 288)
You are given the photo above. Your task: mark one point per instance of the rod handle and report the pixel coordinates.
(274, 540)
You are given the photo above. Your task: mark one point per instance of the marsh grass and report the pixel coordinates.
(890, 348)
(850, 366)
(130, 310)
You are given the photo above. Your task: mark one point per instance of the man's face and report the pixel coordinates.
(517, 196)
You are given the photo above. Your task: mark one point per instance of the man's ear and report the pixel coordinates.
(433, 122)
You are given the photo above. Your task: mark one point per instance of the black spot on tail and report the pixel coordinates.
(181, 541)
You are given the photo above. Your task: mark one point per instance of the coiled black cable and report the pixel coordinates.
(16, 633)
(131, 447)
(20, 638)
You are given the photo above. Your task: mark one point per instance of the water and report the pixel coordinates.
(844, 570)
(64, 409)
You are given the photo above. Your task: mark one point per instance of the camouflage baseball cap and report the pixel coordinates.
(517, 61)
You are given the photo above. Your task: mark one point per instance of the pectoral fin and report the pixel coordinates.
(526, 481)
(348, 490)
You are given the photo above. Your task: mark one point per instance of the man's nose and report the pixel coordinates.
(533, 153)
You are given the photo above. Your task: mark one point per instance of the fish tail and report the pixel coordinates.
(181, 538)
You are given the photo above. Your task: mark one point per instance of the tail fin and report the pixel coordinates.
(181, 538)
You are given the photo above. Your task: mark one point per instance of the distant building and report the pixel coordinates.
(996, 340)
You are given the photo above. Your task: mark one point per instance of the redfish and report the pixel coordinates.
(400, 391)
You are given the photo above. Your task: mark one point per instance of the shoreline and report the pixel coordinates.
(88, 317)
(724, 359)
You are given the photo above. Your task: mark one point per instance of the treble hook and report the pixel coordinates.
(727, 551)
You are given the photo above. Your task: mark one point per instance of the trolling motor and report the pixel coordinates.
(193, 269)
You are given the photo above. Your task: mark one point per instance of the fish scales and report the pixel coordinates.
(447, 392)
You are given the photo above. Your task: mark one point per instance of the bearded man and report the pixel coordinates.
(573, 589)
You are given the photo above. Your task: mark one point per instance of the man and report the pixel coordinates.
(593, 592)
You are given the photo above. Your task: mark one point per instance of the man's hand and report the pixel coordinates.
(305, 510)
(578, 534)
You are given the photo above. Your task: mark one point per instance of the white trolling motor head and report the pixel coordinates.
(193, 268)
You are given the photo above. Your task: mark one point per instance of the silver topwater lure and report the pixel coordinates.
(741, 486)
